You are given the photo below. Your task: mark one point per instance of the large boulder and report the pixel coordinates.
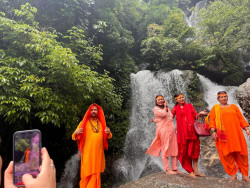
(163, 180)
(243, 97)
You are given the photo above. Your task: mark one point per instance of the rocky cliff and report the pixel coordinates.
(243, 97)
(162, 180)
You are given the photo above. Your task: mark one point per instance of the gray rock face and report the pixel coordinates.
(162, 180)
(210, 157)
(243, 97)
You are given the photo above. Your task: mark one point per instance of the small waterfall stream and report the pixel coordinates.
(71, 174)
(145, 86)
(192, 19)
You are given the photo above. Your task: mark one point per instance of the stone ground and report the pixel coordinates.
(162, 180)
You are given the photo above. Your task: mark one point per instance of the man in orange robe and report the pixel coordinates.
(91, 136)
(226, 124)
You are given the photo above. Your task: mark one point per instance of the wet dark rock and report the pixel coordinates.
(150, 168)
(243, 97)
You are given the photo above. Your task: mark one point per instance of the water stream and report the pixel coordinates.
(192, 19)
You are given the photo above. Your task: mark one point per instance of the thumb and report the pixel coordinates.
(27, 180)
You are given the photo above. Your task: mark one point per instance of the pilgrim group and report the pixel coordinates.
(225, 123)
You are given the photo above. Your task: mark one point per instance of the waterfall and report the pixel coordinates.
(211, 89)
(192, 19)
(145, 86)
(245, 63)
(71, 173)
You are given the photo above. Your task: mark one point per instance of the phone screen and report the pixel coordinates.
(26, 154)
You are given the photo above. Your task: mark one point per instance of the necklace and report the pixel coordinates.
(94, 129)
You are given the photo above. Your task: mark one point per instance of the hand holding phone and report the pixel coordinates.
(46, 177)
(26, 154)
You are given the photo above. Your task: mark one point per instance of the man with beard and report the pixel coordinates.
(91, 136)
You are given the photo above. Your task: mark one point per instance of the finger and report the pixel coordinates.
(8, 176)
(46, 159)
(28, 180)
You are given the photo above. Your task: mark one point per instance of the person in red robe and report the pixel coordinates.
(188, 141)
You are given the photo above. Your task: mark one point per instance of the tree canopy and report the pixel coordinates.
(40, 78)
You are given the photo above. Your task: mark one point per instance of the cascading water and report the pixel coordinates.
(245, 63)
(71, 173)
(192, 19)
(145, 86)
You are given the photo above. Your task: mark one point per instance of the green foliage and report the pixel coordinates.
(195, 91)
(115, 35)
(119, 126)
(151, 49)
(175, 26)
(22, 145)
(224, 30)
(26, 14)
(154, 30)
(155, 14)
(41, 79)
(225, 24)
(161, 52)
(170, 3)
(85, 51)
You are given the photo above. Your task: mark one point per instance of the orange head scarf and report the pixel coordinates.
(101, 118)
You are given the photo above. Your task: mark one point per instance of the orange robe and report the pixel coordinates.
(234, 149)
(92, 158)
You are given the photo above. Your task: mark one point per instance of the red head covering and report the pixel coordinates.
(101, 118)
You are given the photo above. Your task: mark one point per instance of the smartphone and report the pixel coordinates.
(26, 154)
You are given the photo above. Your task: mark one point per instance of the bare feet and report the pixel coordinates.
(197, 173)
(192, 175)
(245, 178)
(170, 172)
(233, 177)
(178, 172)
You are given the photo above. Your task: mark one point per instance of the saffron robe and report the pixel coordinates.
(92, 157)
(234, 149)
(188, 142)
(165, 140)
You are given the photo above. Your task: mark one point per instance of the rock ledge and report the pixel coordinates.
(162, 180)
